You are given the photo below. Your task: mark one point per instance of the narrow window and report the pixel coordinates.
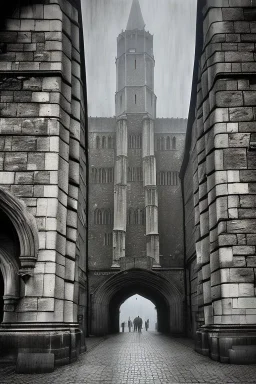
(110, 142)
(135, 64)
(162, 144)
(174, 143)
(168, 143)
(103, 142)
(97, 142)
(135, 99)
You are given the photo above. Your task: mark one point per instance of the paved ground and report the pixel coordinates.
(132, 358)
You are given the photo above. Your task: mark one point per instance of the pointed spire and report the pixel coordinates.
(135, 19)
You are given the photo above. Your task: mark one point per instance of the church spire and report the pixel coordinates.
(135, 19)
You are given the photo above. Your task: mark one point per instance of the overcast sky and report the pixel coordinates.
(135, 306)
(172, 22)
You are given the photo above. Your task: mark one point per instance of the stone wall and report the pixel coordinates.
(222, 162)
(43, 160)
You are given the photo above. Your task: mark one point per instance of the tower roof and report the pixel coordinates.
(135, 19)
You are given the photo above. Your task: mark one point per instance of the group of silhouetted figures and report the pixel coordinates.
(136, 324)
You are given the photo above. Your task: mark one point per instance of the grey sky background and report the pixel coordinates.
(172, 22)
(135, 306)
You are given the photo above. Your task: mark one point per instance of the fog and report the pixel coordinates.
(172, 22)
(138, 306)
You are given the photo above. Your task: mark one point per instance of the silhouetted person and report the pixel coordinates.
(139, 320)
(135, 324)
(146, 324)
(122, 325)
(129, 324)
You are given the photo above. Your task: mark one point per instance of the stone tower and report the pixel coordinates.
(134, 163)
(135, 112)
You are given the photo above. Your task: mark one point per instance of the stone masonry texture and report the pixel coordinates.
(218, 176)
(145, 358)
(43, 163)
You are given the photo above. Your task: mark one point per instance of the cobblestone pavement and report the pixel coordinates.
(134, 358)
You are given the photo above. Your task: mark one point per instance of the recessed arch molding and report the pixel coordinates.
(26, 228)
(164, 294)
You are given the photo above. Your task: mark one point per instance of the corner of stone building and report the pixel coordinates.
(222, 166)
(42, 150)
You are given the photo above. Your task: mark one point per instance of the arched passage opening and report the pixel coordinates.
(134, 306)
(9, 266)
(107, 299)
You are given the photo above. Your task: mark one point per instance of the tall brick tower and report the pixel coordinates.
(135, 222)
(135, 112)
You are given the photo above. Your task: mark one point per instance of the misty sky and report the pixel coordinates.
(172, 22)
(135, 306)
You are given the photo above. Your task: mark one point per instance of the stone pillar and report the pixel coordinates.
(120, 192)
(224, 168)
(42, 146)
(151, 197)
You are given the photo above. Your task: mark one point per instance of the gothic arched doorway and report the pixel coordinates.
(107, 299)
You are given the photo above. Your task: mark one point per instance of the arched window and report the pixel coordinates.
(97, 216)
(174, 142)
(104, 142)
(97, 142)
(110, 146)
(108, 239)
(104, 176)
(93, 175)
(139, 141)
(135, 99)
(129, 174)
(162, 178)
(162, 144)
(136, 216)
(142, 217)
(168, 143)
(169, 178)
(130, 216)
(158, 144)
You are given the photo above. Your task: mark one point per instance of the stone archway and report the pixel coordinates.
(106, 301)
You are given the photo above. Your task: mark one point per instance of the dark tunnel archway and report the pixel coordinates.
(107, 299)
(161, 304)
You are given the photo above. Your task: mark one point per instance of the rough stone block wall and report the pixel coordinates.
(42, 144)
(223, 161)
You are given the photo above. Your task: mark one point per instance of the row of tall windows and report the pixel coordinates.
(135, 174)
(108, 239)
(167, 178)
(136, 216)
(103, 216)
(134, 141)
(166, 143)
(102, 175)
(104, 142)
